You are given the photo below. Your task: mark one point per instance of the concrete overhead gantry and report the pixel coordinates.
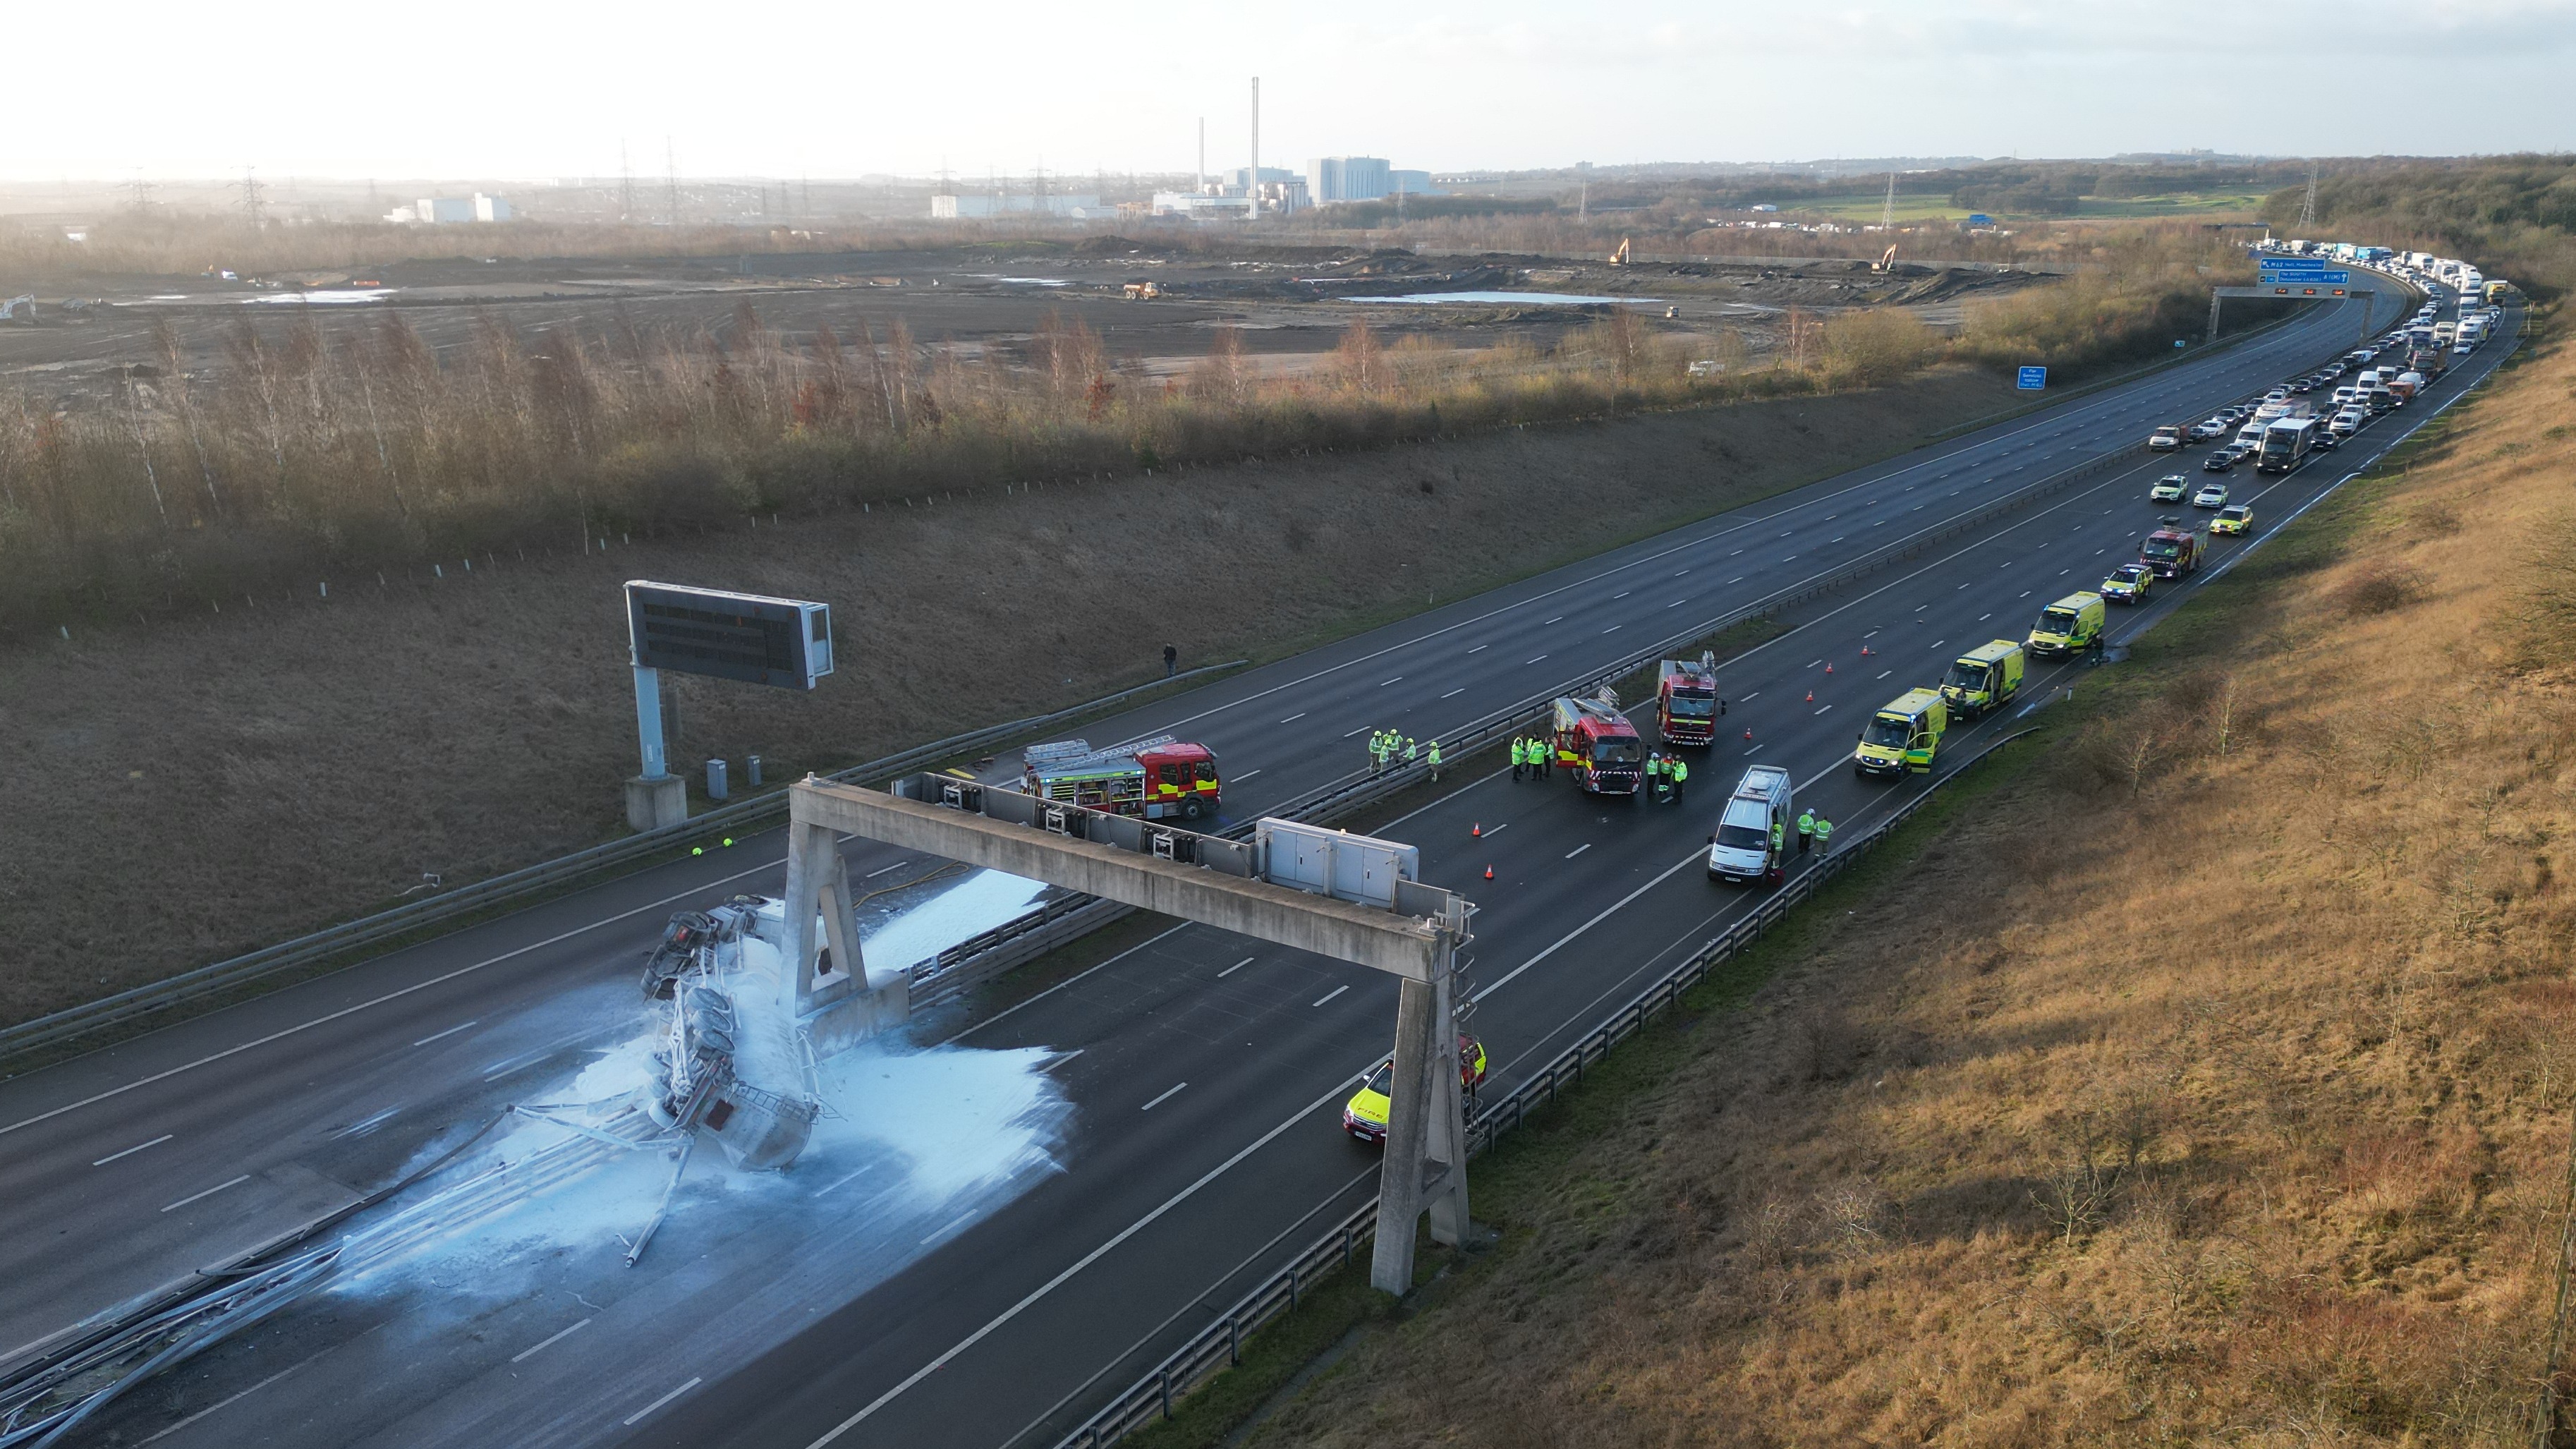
(1339, 895)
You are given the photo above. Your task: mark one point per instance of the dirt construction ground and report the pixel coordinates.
(185, 792)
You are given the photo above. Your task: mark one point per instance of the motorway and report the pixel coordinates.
(1204, 1072)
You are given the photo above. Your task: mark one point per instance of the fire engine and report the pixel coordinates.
(1156, 778)
(1595, 741)
(1686, 702)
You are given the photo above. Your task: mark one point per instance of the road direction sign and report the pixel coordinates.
(2300, 272)
(2032, 379)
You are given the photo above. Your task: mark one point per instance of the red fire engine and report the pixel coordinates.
(1155, 778)
(1686, 700)
(1595, 741)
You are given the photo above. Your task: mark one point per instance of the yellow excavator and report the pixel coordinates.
(1886, 262)
(1619, 258)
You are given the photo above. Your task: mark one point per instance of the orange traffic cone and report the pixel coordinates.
(1748, 732)
(1476, 829)
(1489, 872)
(1829, 669)
(1864, 651)
(1811, 696)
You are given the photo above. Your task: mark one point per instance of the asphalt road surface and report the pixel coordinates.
(1205, 1071)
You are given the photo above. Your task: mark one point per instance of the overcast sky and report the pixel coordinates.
(535, 88)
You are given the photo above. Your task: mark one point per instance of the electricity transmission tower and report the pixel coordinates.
(625, 183)
(2308, 204)
(1887, 213)
(670, 182)
(253, 196)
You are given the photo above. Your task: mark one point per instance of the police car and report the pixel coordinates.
(1364, 1115)
(2234, 518)
(2168, 489)
(2128, 584)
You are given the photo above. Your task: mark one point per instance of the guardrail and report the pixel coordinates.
(1219, 1345)
(516, 885)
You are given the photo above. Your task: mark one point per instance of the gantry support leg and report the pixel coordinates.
(1426, 1132)
(836, 1000)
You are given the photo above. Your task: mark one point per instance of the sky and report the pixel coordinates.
(540, 88)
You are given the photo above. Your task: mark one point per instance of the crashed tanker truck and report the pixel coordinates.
(1157, 778)
(1595, 741)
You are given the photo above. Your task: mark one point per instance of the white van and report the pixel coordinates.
(1741, 851)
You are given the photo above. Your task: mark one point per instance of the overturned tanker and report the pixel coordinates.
(729, 1061)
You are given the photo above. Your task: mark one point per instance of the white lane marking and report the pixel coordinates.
(328, 1017)
(209, 1192)
(364, 1126)
(1748, 699)
(1237, 966)
(889, 870)
(1739, 578)
(1677, 603)
(451, 1031)
(1481, 648)
(1821, 711)
(1981, 618)
(1526, 663)
(228, 1403)
(1613, 629)
(1246, 775)
(1399, 679)
(1167, 1096)
(841, 1182)
(1543, 623)
(1677, 573)
(632, 1418)
(1346, 734)
(1885, 672)
(1292, 719)
(1606, 914)
(1623, 593)
(1336, 991)
(547, 1342)
(1578, 850)
(1872, 634)
(1499, 829)
(1061, 1059)
(1461, 689)
(129, 1152)
(1039, 1293)
(1756, 747)
(1937, 643)
(1154, 940)
(948, 1231)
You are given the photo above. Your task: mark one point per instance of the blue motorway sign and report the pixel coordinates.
(1979, 218)
(2032, 379)
(2300, 272)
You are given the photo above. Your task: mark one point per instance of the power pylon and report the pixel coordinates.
(2308, 204)
(1887, 213)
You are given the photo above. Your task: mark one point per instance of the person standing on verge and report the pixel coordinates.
(1171, 661)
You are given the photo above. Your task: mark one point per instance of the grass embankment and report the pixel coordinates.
(2202, 1074)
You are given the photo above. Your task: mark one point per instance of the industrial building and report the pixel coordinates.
(1072, 205)
(438, 210)
(1363, 178)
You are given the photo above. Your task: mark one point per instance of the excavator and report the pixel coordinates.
(1619, 258)
(1886, 262)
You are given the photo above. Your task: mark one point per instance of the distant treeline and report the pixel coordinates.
(2513, 215)
(2044, 188)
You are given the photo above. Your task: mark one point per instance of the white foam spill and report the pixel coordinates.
(972, 906)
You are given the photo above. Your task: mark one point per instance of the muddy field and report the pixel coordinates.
(1292, 303)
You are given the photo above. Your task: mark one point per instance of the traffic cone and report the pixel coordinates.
(1829, 669)
(1864, 651)
(1748, 732)
(1476, 829)
(1489, 872)
(1811, 696)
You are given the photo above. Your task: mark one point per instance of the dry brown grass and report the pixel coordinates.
(182, 791)
(2207, 1083)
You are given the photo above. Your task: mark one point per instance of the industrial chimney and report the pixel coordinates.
(1255, 177)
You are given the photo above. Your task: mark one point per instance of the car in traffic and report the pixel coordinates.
(2206, 429)
(1364, 1115)
(2324, 442)
(2211, 495)
(2218, 462)
(2165, 439)
(2234, 518)
(2128, 584)
(2168, 489)
(2344, 424)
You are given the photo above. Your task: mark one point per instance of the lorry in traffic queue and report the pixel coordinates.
(1595, 742)
(2431, 362)
(2406, 385)
(2285, 444)
(1756, 816)
(1686, 702)
(2070, 626)
(2175, 548)
(1983, 680)
(1905, 733)
(1158, 778)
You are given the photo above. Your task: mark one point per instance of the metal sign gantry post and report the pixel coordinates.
(1372, 916)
